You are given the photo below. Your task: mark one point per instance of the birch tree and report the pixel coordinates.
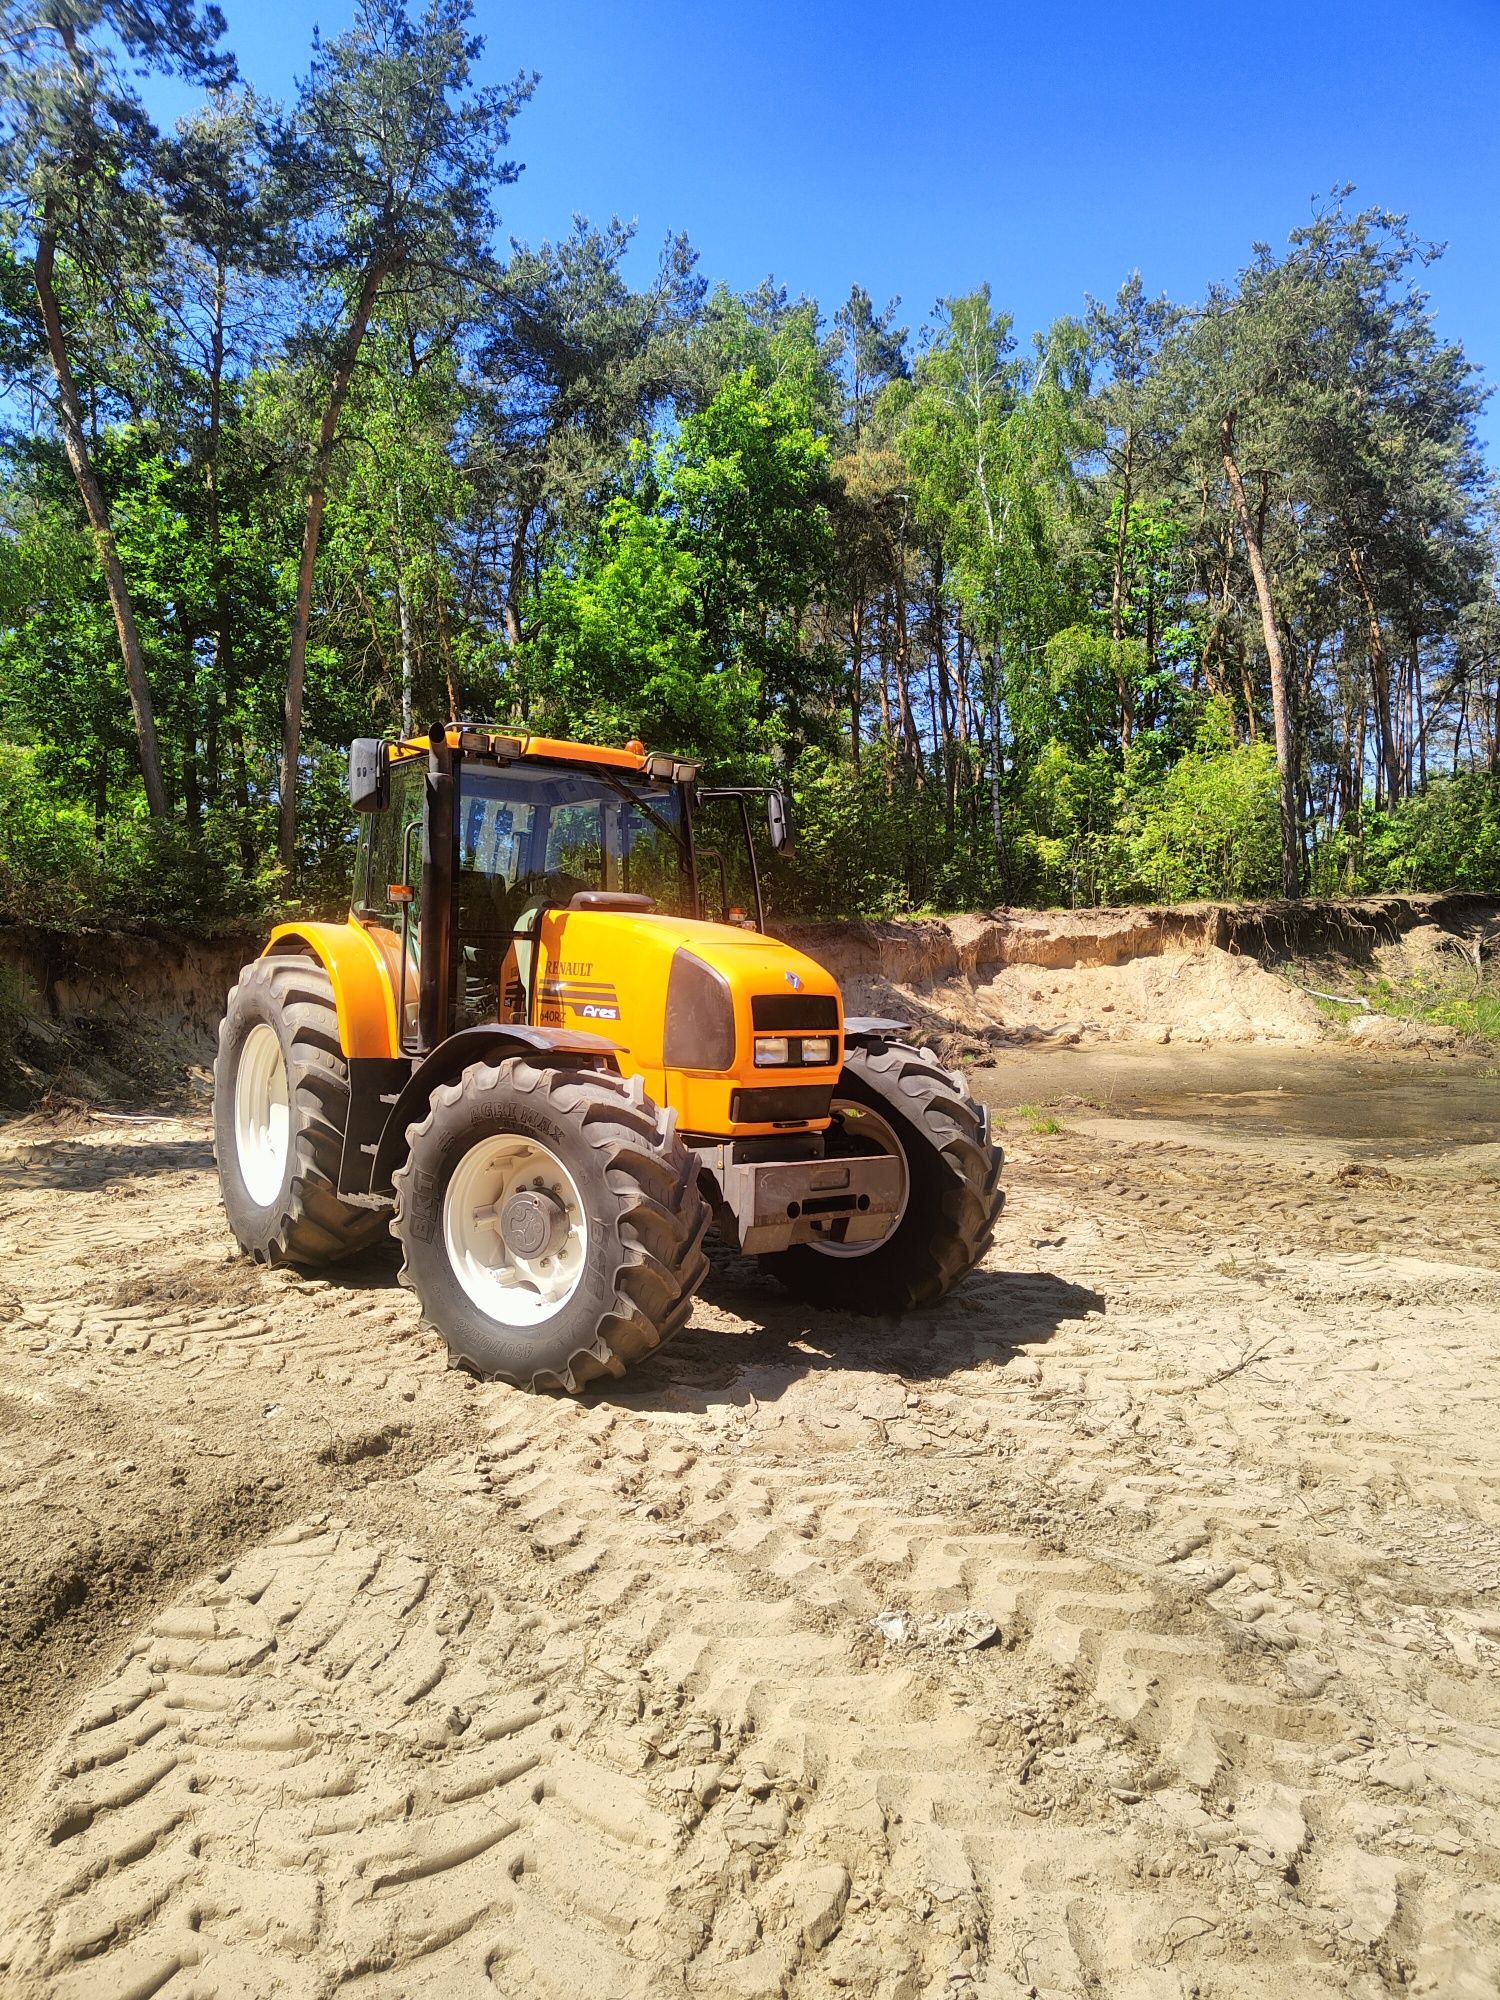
(992, 440)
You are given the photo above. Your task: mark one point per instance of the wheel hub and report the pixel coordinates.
(515, 1229)
(532, 1222)
(874, 1135)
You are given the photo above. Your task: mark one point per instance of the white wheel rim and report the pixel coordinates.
(507, 1286)
(869, 1127)
(262, 1114)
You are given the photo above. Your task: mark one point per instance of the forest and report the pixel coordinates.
(1166, 600)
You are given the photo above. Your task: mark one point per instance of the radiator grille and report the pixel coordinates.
(794, 1013)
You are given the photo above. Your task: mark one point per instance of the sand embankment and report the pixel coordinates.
(1197, 973)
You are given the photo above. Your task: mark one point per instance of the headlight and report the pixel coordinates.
(817, 1051)
(770, 1049)
(698, 1032)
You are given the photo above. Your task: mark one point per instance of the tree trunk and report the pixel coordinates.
(1124, 690)
(516, 576)
(403, 616)
(1419, 715)
(213, 775)
(997, 817)
(219, 691)
(883, 690)
(1247, 688)
(856, 676)
(938, 680)
(1380, 681)
(910, 741)
(1286, 760)
(317, 495)
(75, 443)
(192, 798)
(446, 644)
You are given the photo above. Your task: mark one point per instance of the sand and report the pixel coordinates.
(1126, 1626)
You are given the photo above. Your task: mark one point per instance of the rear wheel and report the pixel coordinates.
(899, 1101)
(551, 1222)
(281, 1103)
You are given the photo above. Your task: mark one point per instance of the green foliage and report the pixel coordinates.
(55, 869)
(683, 617)
(1150, 827)
(873, 842)
(1444, 837)
(330, 461)
(1208, 829)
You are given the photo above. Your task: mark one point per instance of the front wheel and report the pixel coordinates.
(899, 1101)
(551, 1222)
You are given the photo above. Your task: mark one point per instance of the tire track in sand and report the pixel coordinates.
(1056, 1808)
(332, 1764)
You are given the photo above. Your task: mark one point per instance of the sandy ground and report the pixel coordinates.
(1126, 1627)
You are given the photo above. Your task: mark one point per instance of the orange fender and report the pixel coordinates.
(362, 972)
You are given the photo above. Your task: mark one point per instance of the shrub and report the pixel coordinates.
(54, 869)
(1446, 836)
(1210, 828)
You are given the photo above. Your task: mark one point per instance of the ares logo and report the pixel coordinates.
(794, 980)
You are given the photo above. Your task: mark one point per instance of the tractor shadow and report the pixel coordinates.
(765, 1341)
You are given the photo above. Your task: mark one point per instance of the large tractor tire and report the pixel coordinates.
(551, 1223)
(281, 1102)
(892, 1098)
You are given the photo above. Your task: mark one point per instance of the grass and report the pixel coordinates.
(1041, 1122)
(1476, 1014)
(1470, 1007)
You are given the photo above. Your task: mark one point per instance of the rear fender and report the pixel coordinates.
(360, 974)
(566, 1047)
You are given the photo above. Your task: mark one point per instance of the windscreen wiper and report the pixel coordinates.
(634, 799)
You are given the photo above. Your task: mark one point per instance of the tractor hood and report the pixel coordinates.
(596, 960)
(685, 1002)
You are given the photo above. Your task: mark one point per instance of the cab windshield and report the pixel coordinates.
(530, 840)
(529, 837)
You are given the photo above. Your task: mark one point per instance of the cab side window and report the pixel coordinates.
(382, 846)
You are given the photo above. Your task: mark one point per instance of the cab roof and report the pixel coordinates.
(487, 740)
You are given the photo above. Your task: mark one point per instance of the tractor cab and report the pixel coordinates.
(483, 834)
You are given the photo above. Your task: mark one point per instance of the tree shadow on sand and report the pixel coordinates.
(72, 1164)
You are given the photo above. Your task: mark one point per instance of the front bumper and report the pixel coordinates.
(774, 1204)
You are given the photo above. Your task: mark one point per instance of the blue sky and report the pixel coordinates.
(918, 150)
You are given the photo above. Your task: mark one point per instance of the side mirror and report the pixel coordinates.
(779, 823)
(369, 774)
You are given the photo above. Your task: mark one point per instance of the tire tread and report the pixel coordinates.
(936, 1102)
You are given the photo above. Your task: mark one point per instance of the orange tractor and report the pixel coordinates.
(548, 1051)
